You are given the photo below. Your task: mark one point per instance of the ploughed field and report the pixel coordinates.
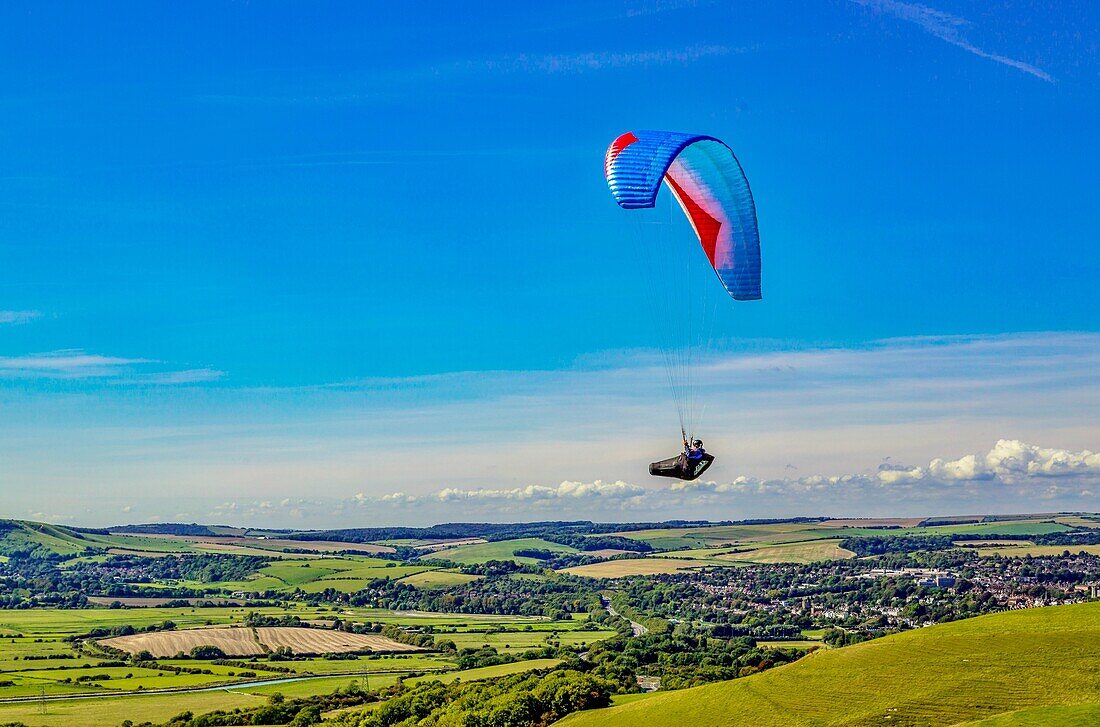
(246, 641)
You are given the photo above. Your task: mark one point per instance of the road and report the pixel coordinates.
(636, 627)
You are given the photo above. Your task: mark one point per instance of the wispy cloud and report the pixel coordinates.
(66, 363)
(657, 7)
(581, 62)
(18, 316)
(948, 28)
(389, 85)
(78, 365)
(187, 376)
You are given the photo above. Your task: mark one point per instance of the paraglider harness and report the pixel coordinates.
(688, 465)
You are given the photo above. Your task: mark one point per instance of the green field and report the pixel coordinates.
(643, 567)
(943, 675)
(109, 711)
(499, 550)
(346, 574)
(810, 551)
(438, 579)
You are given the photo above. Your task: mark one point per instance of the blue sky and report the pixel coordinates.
(250, 252)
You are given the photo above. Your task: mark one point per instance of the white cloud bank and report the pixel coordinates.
(1010, 462)
(1012, 467)
(1012, 476)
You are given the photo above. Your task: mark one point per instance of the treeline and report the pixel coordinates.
(882, 544)
(203, 568)
(165, 529)
(525, 700)
(599, 542)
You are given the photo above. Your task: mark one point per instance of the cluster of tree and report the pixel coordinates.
(555, 597)
(599, 542)
(684, 657)
(536, 553)
(122, 630)
(255, 618)
(401, 636)
(841, 637)
(562, 561)
(882, 544)
(203, 568)
(494, 567)
(525, 700)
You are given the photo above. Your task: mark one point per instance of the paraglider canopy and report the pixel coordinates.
(707, 180)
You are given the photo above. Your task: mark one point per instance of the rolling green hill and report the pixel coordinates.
(23, 535)
(954, 673)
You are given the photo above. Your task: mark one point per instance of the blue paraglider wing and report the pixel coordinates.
(706, 179)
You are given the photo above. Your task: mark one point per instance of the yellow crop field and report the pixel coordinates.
(233, 641)
(634, 567)
(437, 579)
(1026, 549)
(808, 552)
(244, 641)
(323, 641)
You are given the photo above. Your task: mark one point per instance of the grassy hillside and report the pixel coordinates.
(23, 535)
(499, 550)
(944, 675)
(1066, 714)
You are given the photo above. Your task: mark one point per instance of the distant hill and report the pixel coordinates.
(24, 536)
(1036, 660)
(165, 529)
